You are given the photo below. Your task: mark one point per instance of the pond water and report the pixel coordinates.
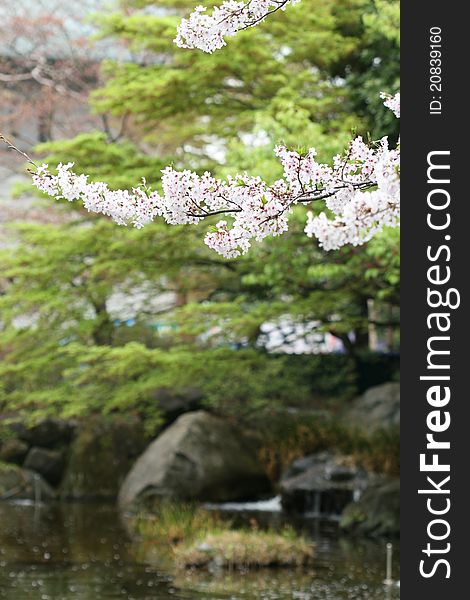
(82, 552)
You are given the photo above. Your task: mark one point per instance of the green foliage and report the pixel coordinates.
(291, 279)
(78, 379)
(306, 77)
(181, 96)
(378, 65)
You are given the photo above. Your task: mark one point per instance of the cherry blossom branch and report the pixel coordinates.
(11, 146)
(361, 191)
(208, 32)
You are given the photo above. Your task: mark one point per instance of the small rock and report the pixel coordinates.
(322, 484)
(204, 547)
(22, 484)
(48, 463)
(339, 472)
(13, 451)
(48, 433)
(173, 405)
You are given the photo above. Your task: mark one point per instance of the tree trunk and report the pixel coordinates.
(104, 328)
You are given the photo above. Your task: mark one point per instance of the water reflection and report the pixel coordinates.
(72, 551)
(81, 552)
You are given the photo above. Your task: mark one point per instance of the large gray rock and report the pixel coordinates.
(376, 512)
(22, 484)
(378, 408)
(198, 457)
(322, 484)
(100, 457)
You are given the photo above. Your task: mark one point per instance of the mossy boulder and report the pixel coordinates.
(376, 513)
(199, 457)
(100, 456)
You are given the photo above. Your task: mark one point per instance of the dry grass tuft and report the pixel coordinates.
(245, 550)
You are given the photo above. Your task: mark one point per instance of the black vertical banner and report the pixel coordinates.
(435, 417)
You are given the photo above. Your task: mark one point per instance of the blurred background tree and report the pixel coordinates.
(100, 318)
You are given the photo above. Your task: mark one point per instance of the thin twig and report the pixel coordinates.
(12, 146)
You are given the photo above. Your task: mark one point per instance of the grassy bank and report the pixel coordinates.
(200, 539)
(288, 437)
(245, 549)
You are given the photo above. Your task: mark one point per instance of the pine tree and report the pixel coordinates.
(294, 80)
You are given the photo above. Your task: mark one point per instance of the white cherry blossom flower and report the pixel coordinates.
(361, 191)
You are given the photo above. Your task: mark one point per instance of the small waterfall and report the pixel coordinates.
(313, 503)
(272, 505)
(357, 493)
(317, 503)
(37, 498)
(37, 489)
